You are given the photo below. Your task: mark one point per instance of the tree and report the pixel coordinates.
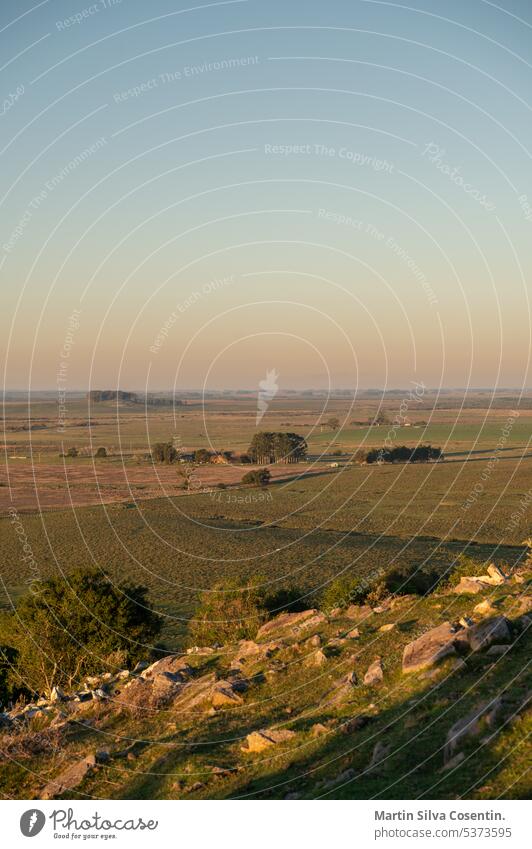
(261, 448)
(333, 422)
(75, 624)
(164, 452)
(280, 447)
(101, 452)
(259, 477)
(202, 455)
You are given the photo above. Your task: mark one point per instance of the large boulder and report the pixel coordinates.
(257, 741)
(431, 647)
(225, 694)
(316, 658)
(358, 612)
(470, 586)
(489, 632)
(174, 668)
(292, 623)
(375, 674)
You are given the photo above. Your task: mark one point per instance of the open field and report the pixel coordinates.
(314, 522)
(133, 519)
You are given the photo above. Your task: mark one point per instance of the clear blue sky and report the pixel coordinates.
(340, 191)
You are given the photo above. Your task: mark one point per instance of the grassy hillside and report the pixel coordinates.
(318, 729)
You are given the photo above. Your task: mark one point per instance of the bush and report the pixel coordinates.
(202, 455)
(101, 452)
(411, 581)
(233, 610)
(465, 567)
(11, 687)
(259, 477)
(288, 599)
(343, 591)
(73, 626)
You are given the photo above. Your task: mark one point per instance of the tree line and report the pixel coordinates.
(402, 454)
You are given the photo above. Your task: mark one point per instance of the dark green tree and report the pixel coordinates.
(75, 624)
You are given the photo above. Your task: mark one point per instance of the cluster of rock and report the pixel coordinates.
(188, 686)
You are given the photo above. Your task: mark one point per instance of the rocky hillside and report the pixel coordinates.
(418, 697)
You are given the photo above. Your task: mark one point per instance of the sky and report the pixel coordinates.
(193, 194)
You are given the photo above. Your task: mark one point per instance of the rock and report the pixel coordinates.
(337, 642)
(70, 778)
(497, 575)
(485, 608)
(335, 612)
(483, 635)
(314, 642)
(99, 694)
(201, 650)
(290, 621)
(257, 741)
(224, 694)
(375, 674)
(465, 621)
(470, 726)
(83, 696)
(247, 648)
(353, 634)
(525, 604)
(430, 648)
(317, 658)
(123, 674)
(57, 695)
(496, 651)
(173, 667)
(453, 762)
(380, 753)
(469, 586)
(318, 729)
(358, 612)
(385, 628)
(141, 665)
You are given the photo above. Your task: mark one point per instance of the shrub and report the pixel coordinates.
(65, 632)
(11, 687)
(411, 581)
(343, 591)
(233, 610)
(465, 567)
(202, 455)
(101, 452)
(259, 477)
(291, 599)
